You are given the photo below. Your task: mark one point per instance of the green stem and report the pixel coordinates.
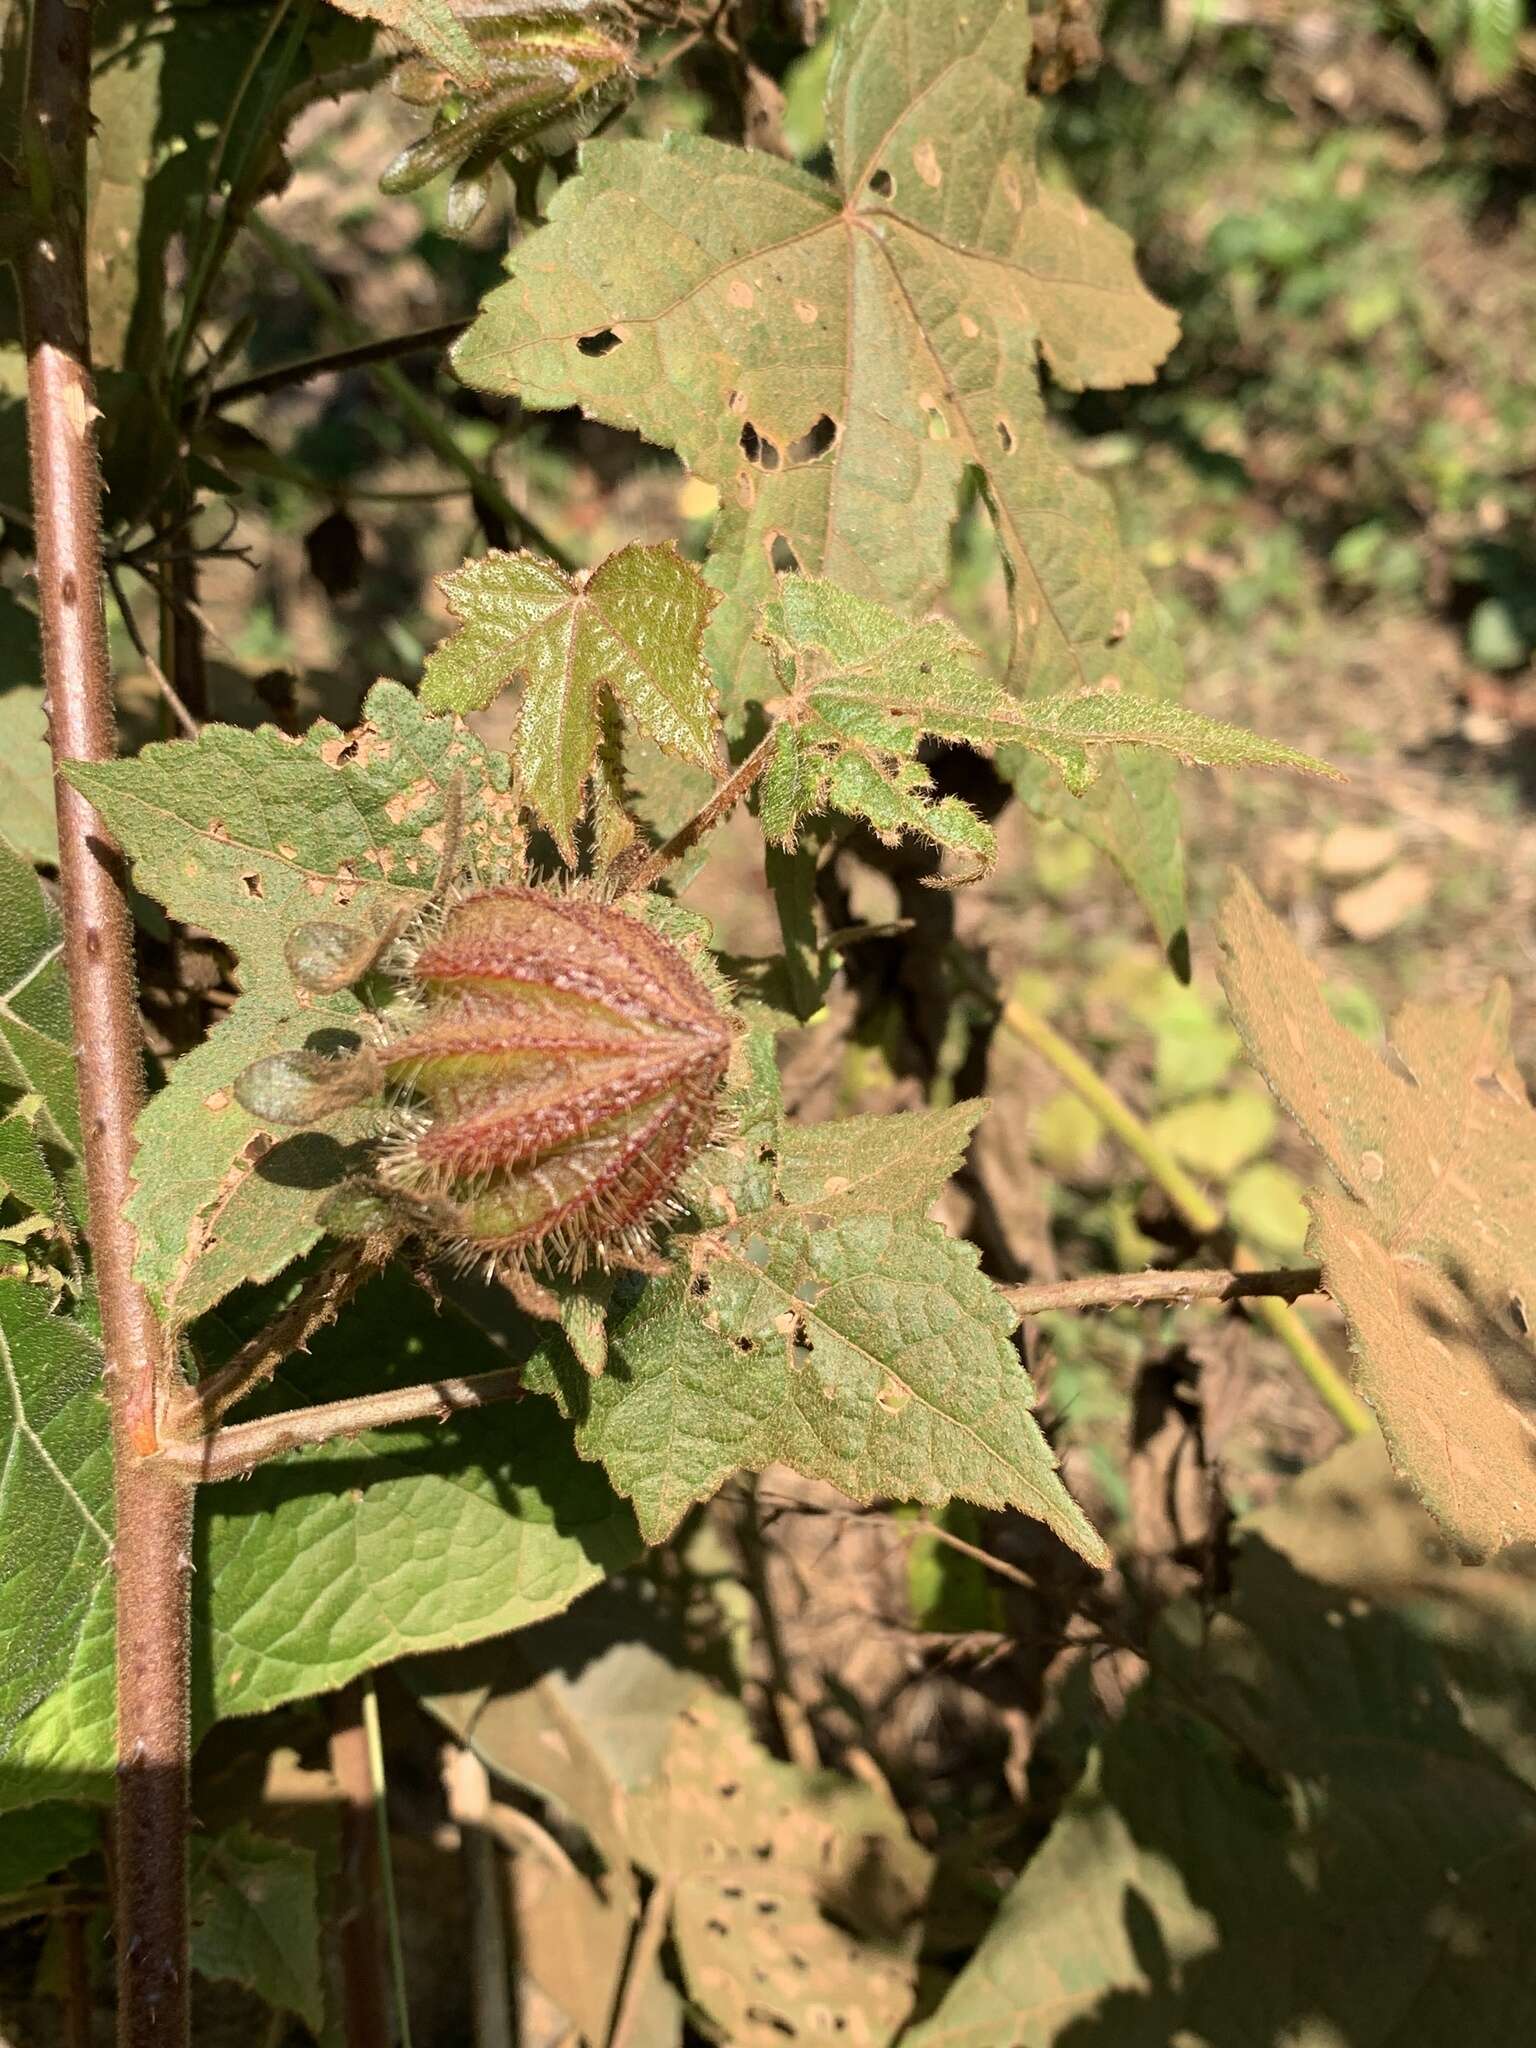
(386, 1860)
(392, 381)
(1195, 1207)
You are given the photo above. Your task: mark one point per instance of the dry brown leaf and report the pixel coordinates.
(1430, 1247)
(795, 1893)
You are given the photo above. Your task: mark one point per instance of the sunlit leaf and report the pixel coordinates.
(633, 630)
(1429, 1247)
(835, 358)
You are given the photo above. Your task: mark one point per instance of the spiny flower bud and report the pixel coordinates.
(561, 1065)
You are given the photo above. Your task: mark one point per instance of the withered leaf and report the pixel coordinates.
(1429, 1247)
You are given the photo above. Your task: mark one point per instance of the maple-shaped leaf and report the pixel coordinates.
(633, 629)
(251, 835)
(837, 358)
(864, 687)
(1429, 1248)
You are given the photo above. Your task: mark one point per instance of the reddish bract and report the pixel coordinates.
(563, 1069)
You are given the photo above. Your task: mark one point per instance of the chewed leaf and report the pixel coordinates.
(866, 687)
(302, 857)
(633, 629)
(837, 357)
(1430, 1250)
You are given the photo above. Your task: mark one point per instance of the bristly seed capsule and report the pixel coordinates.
(555, 1068)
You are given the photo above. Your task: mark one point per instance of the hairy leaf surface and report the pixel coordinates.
(255, 1911)
(1430, 1247)
(845, 1337)
(835, 358)
(633, 630)
(323, 1564)
(250, 835)
(864, 687)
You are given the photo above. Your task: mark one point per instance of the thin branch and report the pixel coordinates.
(1194, 1206)
(642, 1961)
(196, 1411)
(162, 681)
(231, 1453)
(973, 1551)
(284, 375)
(152, 1551)
(714, 812)
(1137, 1290)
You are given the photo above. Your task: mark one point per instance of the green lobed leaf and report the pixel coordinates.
(633, 629)
(323, 1564)
(836, 358)
(1429, 1244)
(255, 1914)
(251, 835)
(862, 1350)
(876, 1165)
(1296, 1833)
(866, 687)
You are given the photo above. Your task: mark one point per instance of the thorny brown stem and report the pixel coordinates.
(1136, 1290)
(232, 1453)
(152, 1551)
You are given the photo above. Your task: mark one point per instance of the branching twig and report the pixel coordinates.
(152, 1550)
(195, 1411)
(1137, 1290)
(161, 680)
(231, 1453)
(488, 493)
(1194, 1206)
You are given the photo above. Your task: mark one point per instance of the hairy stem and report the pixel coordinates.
(718, 808)
(195, 1411)
(1137, 1290)
(152, 1552)
(1193, 1205)
(231, 1453)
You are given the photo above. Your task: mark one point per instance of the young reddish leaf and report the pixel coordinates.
(634, 628)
